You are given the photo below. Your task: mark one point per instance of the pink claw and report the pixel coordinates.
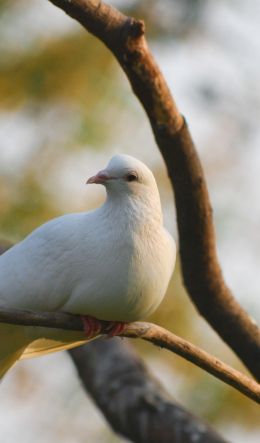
(91, 325)
(115, 328)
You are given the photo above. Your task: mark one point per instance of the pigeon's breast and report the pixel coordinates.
(126, 278)
(153, 264)
(103, 277)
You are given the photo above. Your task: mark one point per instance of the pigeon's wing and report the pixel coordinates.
(36, 274)
(40, 272)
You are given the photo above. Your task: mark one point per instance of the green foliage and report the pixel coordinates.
(75, 68)
(25, 207)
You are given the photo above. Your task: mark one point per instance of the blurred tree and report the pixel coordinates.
(66, 91)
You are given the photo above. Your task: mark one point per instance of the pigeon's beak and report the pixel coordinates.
(100, 178)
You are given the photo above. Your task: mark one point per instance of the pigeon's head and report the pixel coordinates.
(126, 174)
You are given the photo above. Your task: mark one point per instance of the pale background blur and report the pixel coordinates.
(65, 108)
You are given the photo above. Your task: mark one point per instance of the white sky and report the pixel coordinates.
(215, 80)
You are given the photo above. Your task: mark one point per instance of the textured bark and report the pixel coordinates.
(133, 402)
(202, 274)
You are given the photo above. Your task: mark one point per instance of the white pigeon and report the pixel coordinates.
(113, 263)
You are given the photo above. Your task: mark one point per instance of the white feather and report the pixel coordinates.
(113, 263)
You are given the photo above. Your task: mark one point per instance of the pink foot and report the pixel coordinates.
(115, 328)
(91, 325)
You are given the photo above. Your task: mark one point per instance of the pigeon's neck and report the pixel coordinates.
(134, 209)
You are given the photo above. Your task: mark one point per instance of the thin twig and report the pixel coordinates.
(149, 332)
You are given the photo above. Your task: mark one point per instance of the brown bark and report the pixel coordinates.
(202, 274)
(133, 402)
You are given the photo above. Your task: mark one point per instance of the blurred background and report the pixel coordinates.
(65, 108)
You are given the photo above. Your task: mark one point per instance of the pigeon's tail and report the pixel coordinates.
(47, 340)
(13, 342)
(8, 361)
(22, 342)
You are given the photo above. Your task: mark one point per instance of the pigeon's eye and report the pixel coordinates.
(131, 177)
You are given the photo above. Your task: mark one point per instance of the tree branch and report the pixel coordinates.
(133, 402)
(202, 274)
(149, 332)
